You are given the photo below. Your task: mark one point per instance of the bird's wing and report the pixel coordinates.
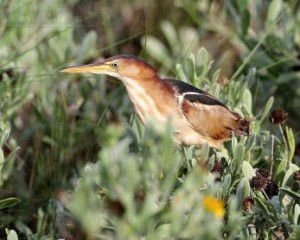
(206, 114)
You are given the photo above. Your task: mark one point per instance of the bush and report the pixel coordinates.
(70, 166)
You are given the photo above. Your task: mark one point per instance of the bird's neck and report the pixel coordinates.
(143, 94)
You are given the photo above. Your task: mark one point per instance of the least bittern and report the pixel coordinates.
(196, 116)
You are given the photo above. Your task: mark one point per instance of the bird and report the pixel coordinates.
(197, 117)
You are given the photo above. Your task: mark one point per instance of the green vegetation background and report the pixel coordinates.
(76, 163)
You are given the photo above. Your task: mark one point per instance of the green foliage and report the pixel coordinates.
(142, 194)
(71, 166)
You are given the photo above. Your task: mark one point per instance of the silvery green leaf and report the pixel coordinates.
(234, 143)
(220, 193)
(189, 152)
(243, 190)
(9, 202)
(251, 141)
(170, 34)
(289, 173)
(251, 76)
(1, 160)
(181, 73)
(273, 12)
(191, 62)
(216, 76)
(247, 99)
(11, 234)
(281, 167)
(248, 170)
(157, 50)
(291, 193)
(215, 90)
(291, 142)
(88, 43)
(4, 132)
(203, 152)
(202, 58)
(239, 155)
(226, 184)
(267, 109)
(296, 213)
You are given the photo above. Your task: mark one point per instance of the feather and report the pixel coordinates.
(193, 94)
(207, 115)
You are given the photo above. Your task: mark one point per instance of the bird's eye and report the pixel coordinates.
(115, 64)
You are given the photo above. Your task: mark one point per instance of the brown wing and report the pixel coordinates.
(211, 118)
(206, 114)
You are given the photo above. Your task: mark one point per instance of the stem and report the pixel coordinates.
(272, 155)
(285, 143)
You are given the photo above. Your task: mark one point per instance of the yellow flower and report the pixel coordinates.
(214, 206)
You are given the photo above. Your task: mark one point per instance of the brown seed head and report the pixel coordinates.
(263, 173)
(271, 189)
(248, 202)
(258, 183)
(218, 167)
(115, 207)
(278, 116)
(260, 180)
(297, 176)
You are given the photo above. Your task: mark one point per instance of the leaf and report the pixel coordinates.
(202, 154)
(281, 167)
(181, 73)
(262, 206)
(157, 50)
(215, 91)
(267, 109)
(294, 195)
(251, 141)
(243, 190)
(226, 185)
(239, 155)
(295, 234)
(248, 170)
(220, 193)
(4, 132)
(247, 99)
(291, 142)
(191, 63)
(243, 4)
(296, 213)
(202, 59)
(1, 160)
(215, 79)
(189, 152)
(11, 234)
(245, 21)
(170, 34)
(273, 12)
(88, 43)
(9, 202)
(293, 168)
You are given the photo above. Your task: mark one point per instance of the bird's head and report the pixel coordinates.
(120, 66)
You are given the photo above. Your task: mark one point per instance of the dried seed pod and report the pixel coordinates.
(263, 173)
(258, 182)
(278, 116)
(297, 176)
(115, 207)
(271, 189)
(247, 203)
(218, 167)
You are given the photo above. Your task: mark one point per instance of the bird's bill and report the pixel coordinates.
(90, 68)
